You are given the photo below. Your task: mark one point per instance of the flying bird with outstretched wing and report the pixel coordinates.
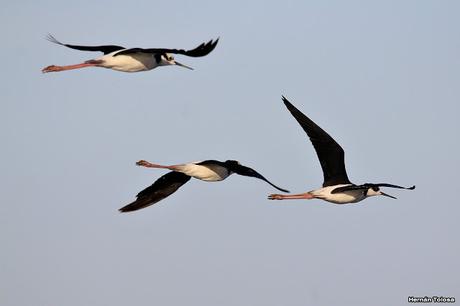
(131, 59)
(208, 170)
(337, 188)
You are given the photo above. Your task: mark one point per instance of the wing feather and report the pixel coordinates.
(106, 49)
(160, 189)
(201, 50)
(330, 154)
(367, 186)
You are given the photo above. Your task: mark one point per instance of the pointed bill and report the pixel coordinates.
(387, 195)
(182, 65)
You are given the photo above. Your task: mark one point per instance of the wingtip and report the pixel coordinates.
(133, 206)
(286, 102)
(52, 39)
(126, 209)
(213, 44)
(411, 188)
(279, 188)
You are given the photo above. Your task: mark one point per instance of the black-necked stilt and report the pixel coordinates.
(336, 186)
(132, 59)
(208, 170)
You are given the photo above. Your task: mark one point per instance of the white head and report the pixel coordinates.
(375, 190)
(167, 59)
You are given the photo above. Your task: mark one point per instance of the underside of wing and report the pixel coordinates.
(201, 50)
(330, 154)
(105, 49)
(162, 188)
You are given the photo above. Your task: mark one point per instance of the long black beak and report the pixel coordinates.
(182, 65)
(387, 195)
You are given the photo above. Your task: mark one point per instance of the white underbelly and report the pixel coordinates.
(130, 63)
(346, 197)
(351, 196)
(209, 173)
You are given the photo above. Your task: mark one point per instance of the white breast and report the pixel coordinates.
(210, 173)
(129, 63)
(351, 196)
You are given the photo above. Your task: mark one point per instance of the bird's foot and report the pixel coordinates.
(52, 68)
(143, 163)
(275, 196)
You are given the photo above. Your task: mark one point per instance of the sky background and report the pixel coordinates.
(382, 77)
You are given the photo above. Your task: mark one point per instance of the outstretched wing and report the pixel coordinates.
(330, 154)
(392, 186)
(367, 186)
(162, 188)
(105, 49)
(246, 171)
(201, 50)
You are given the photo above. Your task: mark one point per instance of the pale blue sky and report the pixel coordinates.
(382, 77)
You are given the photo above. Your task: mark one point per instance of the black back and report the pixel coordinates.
(105, 49)
(160, 189)
(330, 154)
(212, 162)
(201, 50)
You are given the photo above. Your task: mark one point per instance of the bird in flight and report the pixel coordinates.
(208, 170)
(131, 59)
(337, 188)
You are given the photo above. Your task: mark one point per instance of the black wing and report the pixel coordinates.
(201, 50)
(367, 186)
(211, 162)
(162, 188)
(393, 186)
(330, 153)
(246, 171)
(105, 49)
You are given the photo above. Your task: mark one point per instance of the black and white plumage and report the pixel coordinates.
(337, 188)
(131, 59)
(208, 170)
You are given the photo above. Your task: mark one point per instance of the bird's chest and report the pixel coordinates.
(210, 173)
(350, 196)
(131, 63)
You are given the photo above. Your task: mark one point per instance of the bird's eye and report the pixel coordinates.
(171, 58)
(375, 188)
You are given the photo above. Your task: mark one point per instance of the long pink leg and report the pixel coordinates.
(306, 196)
(144, 163)
(54, 68)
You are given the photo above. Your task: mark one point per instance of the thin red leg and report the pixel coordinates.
(306, 196)
(144, 163)
(54, 68)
